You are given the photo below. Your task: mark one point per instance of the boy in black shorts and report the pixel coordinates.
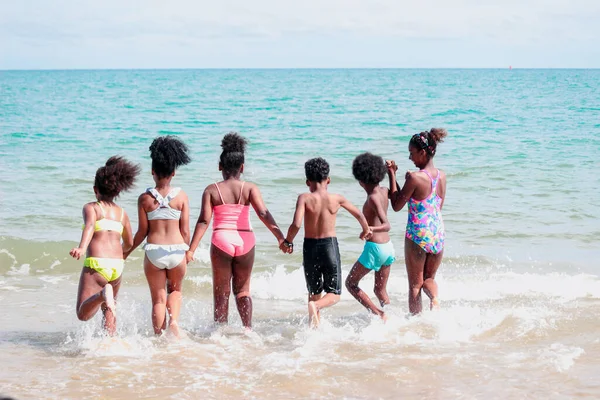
(318, 209)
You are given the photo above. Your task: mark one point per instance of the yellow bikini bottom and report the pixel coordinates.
(110, 268)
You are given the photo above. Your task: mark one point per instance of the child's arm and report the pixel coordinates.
(127, 235)
(401, 197)
(201, 225)
(184, 221)
(344, 203)
(89, 220)
(381, 214)
(264, 215)
(298, 218)
(142, 230)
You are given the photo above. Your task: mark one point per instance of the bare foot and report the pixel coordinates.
(109, 298)
(313, 315)
(384, 317)
(174, 328)
(435, 304)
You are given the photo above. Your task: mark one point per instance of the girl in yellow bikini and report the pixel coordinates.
(105, 224)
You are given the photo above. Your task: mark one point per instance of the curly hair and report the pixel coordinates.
(116, 176)
(316, 169)
(232, 157)
(369, 168)
(428, 140)
(168, 153)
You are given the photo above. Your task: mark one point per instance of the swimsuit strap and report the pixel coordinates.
(241, 190)
(220, 195)
(172, 194)
(433, 181)
(156, 195)
(122, 214)
(101, 209)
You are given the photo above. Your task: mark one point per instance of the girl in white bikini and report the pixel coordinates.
(163, 214)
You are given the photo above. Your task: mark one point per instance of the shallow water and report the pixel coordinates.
(519, 282)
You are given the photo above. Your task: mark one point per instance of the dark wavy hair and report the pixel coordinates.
(168, 153)
(369, 168)
(232, 157)
(428, 140)
(316, 169)
(116, 176)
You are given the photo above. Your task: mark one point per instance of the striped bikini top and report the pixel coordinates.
(164, 210)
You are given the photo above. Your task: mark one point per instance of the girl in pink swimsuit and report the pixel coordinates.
(424, 191)
(232, 243)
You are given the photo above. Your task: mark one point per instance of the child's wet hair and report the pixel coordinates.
(369, 168)
(316, 169)
(168, 153)
(116, 176)
(232, 158)
(428, 140)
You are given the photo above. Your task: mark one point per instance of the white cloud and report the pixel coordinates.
(198, 25)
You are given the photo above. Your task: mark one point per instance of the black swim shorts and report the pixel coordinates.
(322, 265)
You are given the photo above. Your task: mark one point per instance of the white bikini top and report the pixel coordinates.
(164, 210)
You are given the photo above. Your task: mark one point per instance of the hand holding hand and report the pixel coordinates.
(77, 252)
(391, 166)
(286, 247)
(366, 234)
(189, 256)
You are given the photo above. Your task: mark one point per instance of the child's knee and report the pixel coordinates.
(242, 294)
(83, 317)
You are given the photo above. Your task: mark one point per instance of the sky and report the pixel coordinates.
(83, 34)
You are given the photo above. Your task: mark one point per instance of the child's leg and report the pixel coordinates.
(357, 272)
(414, 257)
(174, 281)
(432, 263)
(222, 272)
(110, 319)
(380, 289)
(242, 270)
(157, 281)
(90, 294)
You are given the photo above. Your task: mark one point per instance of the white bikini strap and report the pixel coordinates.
(241, 191)
(220, 195)
(122, 213)
(101, 209)
(172, 194)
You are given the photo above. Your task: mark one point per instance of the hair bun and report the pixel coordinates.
(233, 143)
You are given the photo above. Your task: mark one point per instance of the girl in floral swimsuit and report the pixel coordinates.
(424, 191)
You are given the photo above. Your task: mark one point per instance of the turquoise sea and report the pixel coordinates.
(520, 283)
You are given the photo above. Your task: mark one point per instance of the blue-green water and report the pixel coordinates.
(522, 208)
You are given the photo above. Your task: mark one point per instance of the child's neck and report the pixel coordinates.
(163, 183)
(370, 188)
(318, 186)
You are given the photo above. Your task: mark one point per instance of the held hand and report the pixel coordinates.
(189, 256)
(391, 166)
(366, 234)
(286, 247)
(126, 254)
(77, 252)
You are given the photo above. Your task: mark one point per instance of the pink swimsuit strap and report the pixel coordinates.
(232, 216)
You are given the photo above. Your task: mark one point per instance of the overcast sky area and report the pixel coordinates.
(73, 34)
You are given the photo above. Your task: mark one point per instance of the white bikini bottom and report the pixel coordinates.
(166, 256)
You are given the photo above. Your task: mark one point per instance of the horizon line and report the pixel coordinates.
(286, 68)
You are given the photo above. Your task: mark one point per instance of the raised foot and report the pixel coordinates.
(109, 298)
(435, 304)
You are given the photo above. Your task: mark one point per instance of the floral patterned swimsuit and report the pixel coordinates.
(425, 226)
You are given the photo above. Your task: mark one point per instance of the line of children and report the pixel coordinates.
(164, 219)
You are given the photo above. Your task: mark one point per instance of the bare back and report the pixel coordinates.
(375, 211)
(320, 215)
(166, 231)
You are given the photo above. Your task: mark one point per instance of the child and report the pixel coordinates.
(233, 242)
(321, 255)
(378, 253)
(424, 191)
(164, 217)
(105, 224)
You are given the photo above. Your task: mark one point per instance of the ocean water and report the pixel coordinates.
(519, 284)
